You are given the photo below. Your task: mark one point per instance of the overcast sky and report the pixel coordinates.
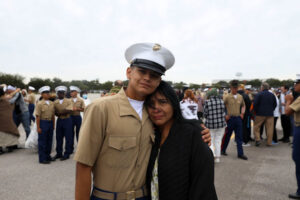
(211, 39)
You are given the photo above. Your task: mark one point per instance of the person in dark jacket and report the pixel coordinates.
(247, 116)
(181, 165)
(264, 106)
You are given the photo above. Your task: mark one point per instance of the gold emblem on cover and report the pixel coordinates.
(156, 47)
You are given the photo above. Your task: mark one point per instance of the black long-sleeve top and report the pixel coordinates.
(185, 165)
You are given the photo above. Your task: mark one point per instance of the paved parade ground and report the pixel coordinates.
(269, 174)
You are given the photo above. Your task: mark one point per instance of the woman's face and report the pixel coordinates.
(160, 110)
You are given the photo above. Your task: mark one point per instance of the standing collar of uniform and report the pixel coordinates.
(44, 101)
(126, 108)
(233, 94)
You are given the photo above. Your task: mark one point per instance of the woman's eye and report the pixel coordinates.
(163, 101)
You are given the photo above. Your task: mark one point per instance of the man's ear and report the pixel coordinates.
(128, 72)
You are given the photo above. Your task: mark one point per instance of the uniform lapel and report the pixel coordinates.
(125, 107)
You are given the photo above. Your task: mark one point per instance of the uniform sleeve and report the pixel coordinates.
(225, 99)
(295, 106)
(202, 170)
(92, 134)
(82, 104)
(38, 110)
(70, 105)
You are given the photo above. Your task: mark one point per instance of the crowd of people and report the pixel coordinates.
(146, 139)
(20, 107)
(236, 109)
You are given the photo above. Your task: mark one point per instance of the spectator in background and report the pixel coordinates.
(214, 114)
(188, 105)
(31, 101)
(84, 96)
(285, 119)
(235, 107)
(21, 113)
(264, 106)
(118, 84)
(78, 107)
(276, 115)
(247, 116)
(200, 102)
(9, 134)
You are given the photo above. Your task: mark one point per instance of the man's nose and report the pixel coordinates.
(147, 76)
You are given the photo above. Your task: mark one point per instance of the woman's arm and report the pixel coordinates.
(201, 171)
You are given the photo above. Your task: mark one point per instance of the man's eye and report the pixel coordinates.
(154, 76)
(142, 71)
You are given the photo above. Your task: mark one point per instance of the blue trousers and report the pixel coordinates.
(24, 119)
(76, 123)
(234, 124)
(96, 198)
(64, 130)
(45, 140)
(31, 109)
(296, 154)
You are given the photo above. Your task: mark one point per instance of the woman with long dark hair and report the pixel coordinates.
(181, 165)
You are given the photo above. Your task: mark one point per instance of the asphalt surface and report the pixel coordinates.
(269, 174)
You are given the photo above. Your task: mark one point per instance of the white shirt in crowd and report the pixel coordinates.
(282, 100)
(276, 111)
(189, 109)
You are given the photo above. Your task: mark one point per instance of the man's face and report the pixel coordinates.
(73, 93)
(297, 87)
(46, 95)
(283, 89)
(142, 81)
(61, 94)
(233, 90)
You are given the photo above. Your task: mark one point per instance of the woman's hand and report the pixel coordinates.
(206, 135)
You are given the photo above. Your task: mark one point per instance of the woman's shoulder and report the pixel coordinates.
(188, 126)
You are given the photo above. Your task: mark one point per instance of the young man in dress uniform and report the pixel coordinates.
(78, 106)
(31, 103)
(45, 122)
(293, 107)
(63, 108)
(235, 107)
(116, 136)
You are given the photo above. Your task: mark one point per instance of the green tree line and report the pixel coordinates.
(18, 81)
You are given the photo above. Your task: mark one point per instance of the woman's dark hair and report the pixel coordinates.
(166, 90)
(1, 91)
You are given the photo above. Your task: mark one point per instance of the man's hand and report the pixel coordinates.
(227, 117)
(242, 116)
(206, 135)
(39, 130)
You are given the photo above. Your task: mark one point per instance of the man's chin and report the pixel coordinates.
(146, 91)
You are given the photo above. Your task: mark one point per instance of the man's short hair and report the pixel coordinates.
(118, 83)
(286, 87)
(234, 83)
(265, 86)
